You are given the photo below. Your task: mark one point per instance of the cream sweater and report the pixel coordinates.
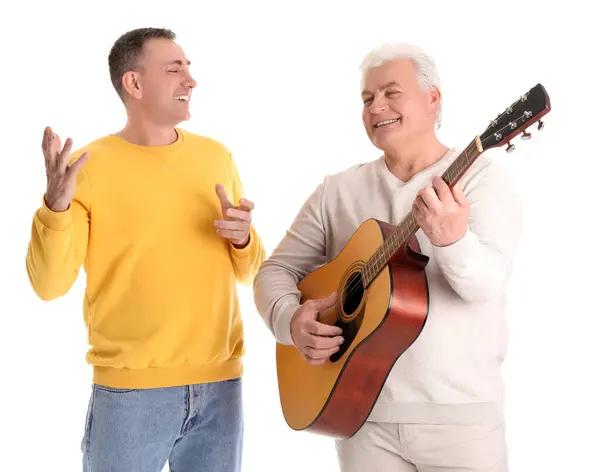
(452, 373)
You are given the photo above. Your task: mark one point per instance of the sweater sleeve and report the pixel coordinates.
(302, 250)
(58, 243)
(478, 266)
(246, 260)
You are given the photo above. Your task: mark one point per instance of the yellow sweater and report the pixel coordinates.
(161, 306)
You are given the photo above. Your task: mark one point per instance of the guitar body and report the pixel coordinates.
(379, 323)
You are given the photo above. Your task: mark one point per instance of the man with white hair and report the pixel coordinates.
(442, 405)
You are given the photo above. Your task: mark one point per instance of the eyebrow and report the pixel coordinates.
(383, 87)
(178, 62)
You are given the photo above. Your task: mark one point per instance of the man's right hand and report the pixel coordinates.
(316, 341)
(60, 177)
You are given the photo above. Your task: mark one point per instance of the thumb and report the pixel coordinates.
(74, 168)
(327, 302)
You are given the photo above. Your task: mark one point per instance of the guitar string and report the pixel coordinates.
(357, 285)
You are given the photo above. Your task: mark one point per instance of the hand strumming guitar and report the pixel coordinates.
(236, 221)
(316, 341)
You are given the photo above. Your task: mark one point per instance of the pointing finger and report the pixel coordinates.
(223, 198)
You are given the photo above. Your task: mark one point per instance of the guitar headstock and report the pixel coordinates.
(517, 118)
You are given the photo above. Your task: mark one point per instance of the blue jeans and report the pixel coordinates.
(193, 428)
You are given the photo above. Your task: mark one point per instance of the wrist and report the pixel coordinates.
(449, 240)
(55, 205)
(241, 244)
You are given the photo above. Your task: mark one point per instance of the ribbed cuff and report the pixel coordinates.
(282, 325)
(55, 220)
(457, 254)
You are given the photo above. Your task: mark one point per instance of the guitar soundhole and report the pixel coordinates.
(352, 312)
(352, 294)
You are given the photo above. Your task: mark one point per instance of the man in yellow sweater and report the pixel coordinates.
(157, 217)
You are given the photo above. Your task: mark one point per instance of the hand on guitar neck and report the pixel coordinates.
(441, 212)
(316, 341)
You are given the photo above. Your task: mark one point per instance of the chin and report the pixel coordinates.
(387, 140)
(182, 118)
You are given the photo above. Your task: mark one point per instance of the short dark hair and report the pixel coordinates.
(125, 53)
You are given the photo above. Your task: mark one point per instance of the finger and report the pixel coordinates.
(46, 138)
(459, 196)
(430, 199)
(322, 329)
(223, 198)
(63, 157)
(320, 354)
(76, 166)
(48, 143)
(246, 204)
(234, 225)
(232, 234)
(238, 214)
(419, 206)
(54, 144)
(324, 342)
(442, 190)
(314, 362)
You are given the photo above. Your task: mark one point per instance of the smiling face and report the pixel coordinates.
(162, 87)
(396, 108)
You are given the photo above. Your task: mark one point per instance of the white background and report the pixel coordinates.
(279, 85)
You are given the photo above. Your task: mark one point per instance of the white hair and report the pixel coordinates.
(427, 72)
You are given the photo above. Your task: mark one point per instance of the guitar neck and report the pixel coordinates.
(408, 226)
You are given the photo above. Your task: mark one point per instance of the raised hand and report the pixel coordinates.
(60, 176)
(442, 213)
(236, 221)
(316, 341)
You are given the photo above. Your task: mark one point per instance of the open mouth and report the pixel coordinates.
(183, 98)
(386, 122)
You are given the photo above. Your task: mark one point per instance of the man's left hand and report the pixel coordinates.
(237, 220)
(441, 212)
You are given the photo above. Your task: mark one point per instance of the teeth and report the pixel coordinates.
(386, 122)
(183, 98)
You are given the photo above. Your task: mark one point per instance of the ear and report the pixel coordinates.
(131, 84)
(435, 98)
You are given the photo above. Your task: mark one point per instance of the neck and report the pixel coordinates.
(144, 132)
(407, 159)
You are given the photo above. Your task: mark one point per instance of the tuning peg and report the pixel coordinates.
(526, 135)
(510, 147)
(540, 125)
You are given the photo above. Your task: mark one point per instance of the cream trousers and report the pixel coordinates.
(390, 447)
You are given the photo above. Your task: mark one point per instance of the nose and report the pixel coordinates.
(189, 81)
(379, 105)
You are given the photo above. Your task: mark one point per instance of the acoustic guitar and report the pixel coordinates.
(382, 302)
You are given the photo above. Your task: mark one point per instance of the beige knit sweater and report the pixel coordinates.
(452, 373)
